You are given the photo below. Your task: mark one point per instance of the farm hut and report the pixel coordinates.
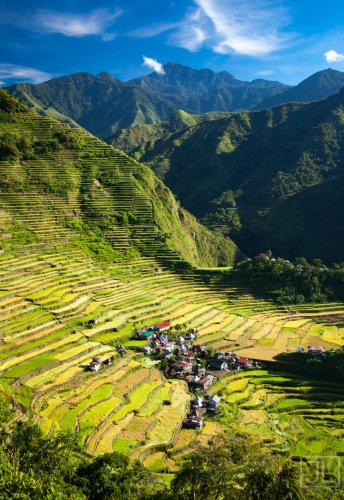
(94, 321)
(147, 335)
(164, 352)
(243, 361)
(94, 366)
(316, 351)
(213, 402)
(146, 350)
(187, 355)
(199, 384)
(190, 336)
(197, 402)
(205, 382)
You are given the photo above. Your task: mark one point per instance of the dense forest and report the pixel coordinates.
(269, 179)
(293, 282)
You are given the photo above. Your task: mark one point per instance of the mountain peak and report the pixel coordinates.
(314, 88)
(105, 76)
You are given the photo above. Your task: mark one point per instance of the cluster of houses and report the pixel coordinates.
(232, 362)
(208, 404)
(183, 359)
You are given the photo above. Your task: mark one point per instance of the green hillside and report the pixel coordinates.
(140, 139)
(80, 185)
(267, 178)
(101, 104)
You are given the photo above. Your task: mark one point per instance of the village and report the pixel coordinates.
(181, 357)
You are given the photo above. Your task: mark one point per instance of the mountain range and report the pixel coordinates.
(103, 104)
(272, 179)
(255, 175)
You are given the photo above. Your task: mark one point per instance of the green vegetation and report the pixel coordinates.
(236, 468)
(103, 104)
(81, 268)
(293, 282)
(282, 168)
(36, 467)
(109, 191)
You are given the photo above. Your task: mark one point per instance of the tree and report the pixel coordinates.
(234, 468)
(35, 467)
(112, 476)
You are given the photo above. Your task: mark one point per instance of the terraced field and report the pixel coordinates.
(286, 412)
(46, 303)
(57, 274)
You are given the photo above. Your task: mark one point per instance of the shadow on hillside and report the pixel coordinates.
(329, 369)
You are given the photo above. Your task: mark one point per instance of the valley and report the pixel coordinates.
(94, 246)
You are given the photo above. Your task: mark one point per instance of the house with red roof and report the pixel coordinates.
(164, 326)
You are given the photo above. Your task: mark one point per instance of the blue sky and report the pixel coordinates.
(285, 40)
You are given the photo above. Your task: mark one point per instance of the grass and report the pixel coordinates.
(28, 367)
(124, 445)
(69, 420)
(266, 341)
(155, 400)
(237, 385)
(137, 399)
(97, 413)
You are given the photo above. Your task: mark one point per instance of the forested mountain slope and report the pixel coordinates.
(103, 104)
(254, 174)
(203, 90)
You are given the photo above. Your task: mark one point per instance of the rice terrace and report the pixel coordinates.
(85, 265)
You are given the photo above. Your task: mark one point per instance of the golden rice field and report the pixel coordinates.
(46, 342)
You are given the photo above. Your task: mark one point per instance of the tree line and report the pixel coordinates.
(293, 282)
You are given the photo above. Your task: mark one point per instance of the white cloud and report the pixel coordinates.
(229, 27)
(153, 30)
(22, 73)
(76, 25)
(154, 65)
(332, 56)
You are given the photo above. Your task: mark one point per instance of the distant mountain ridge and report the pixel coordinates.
(101, 104)
(318, 86)
(105, 105)
(203, 90)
